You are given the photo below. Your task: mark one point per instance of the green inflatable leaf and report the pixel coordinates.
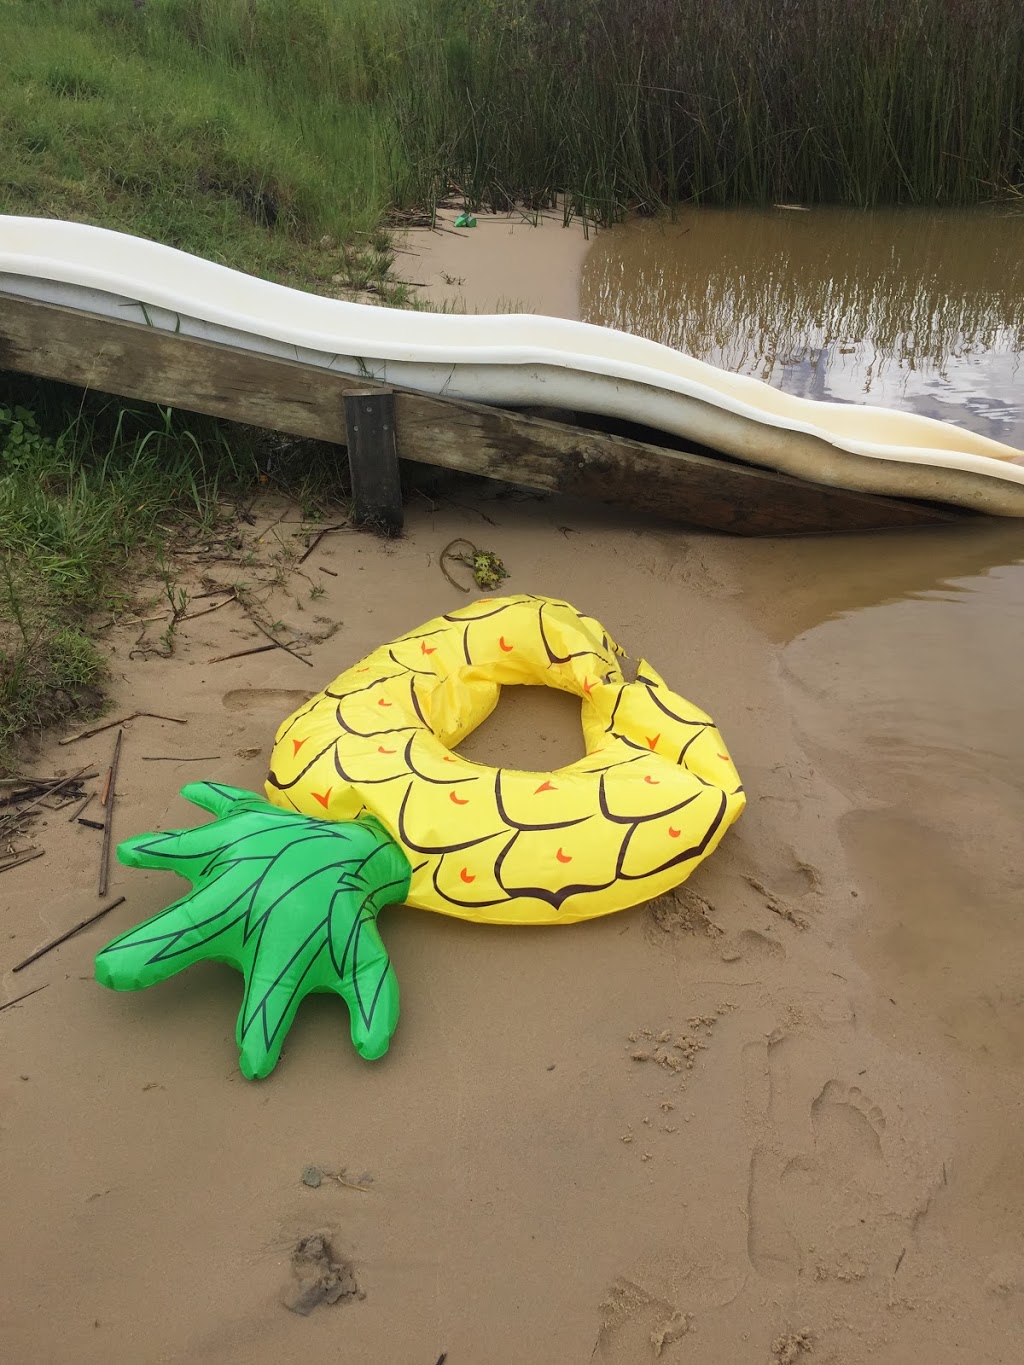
(290, 901)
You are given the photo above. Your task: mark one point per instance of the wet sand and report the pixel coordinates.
(840, 1159)
(508, 263)
(773, 1119)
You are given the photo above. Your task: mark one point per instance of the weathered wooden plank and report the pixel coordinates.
(135, 361)
(373, 459)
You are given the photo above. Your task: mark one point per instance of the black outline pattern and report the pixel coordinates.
(258, 843)
(411, 770)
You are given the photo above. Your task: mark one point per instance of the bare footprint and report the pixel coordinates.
(848, 1128)
(758, 947)
(263, 699)
(771, 1247)
(843, 1202)
(637, 1325)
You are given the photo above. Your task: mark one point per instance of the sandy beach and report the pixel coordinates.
(773, 1118)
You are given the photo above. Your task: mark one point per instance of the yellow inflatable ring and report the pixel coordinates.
(652, 798)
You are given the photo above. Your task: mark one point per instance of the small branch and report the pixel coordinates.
(176, 758)
(25, 858)
(19, 998)
(341, 526)
(56, 942)
(108, 781)
(37, 781)
(109, 793)
(78, 809)
(212, 592)
(109, 725)
(65, 782)
(242, 653)
(278, 643)
(206, 610)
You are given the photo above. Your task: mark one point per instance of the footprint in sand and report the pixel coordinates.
(847, 1128)
(754, 946)
(637, 1325)
(825, 1197)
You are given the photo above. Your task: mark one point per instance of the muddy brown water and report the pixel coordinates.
(911, 309)
(904, 652)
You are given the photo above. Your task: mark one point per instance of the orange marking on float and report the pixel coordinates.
(563, 857)
(654, 781)
(674, 833)
(545, 787)
(298, 743)
(425, 649)
(448, 758)
(467, 876)
(457, 799)
(507, 648)
(382, 702)
(322, 797)
(652, 740)
(588, 687)
(382, 750)
(725, 758)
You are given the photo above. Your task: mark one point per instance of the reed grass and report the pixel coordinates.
(642, 103)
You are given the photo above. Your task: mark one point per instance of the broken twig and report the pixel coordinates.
(341, 526)
(55, 943)
(176, 758)
(78, 809)
(241, 653)
(109, 792)
(109, 725)
(19, 998)
(273, 640)
(25, 858)
(206, 610)
(64, 782)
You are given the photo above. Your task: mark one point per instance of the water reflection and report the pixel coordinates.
(914, 309)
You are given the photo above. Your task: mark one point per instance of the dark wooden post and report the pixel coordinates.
(373, 459)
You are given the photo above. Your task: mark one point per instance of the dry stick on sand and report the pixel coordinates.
(63, 938)
(78, 809)
(19, 998)
(25, 858)
(341, 526)
(107, 799)
(123, 720)
(241, 654)
(15, 816)
(206, 610)
(176, 758)
(277, 644)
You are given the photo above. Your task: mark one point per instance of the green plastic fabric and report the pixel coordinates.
(288, 900)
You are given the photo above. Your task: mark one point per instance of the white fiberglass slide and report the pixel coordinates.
(512, 360)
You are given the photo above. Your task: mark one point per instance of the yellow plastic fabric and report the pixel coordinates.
(651, 799)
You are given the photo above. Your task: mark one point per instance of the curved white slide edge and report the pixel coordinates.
(514, 359)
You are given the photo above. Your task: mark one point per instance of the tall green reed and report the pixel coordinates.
(646, 102)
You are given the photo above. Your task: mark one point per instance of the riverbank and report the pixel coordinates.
(834, 1167)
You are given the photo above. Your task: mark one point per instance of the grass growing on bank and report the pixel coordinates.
(86, 505)
(233, 131)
